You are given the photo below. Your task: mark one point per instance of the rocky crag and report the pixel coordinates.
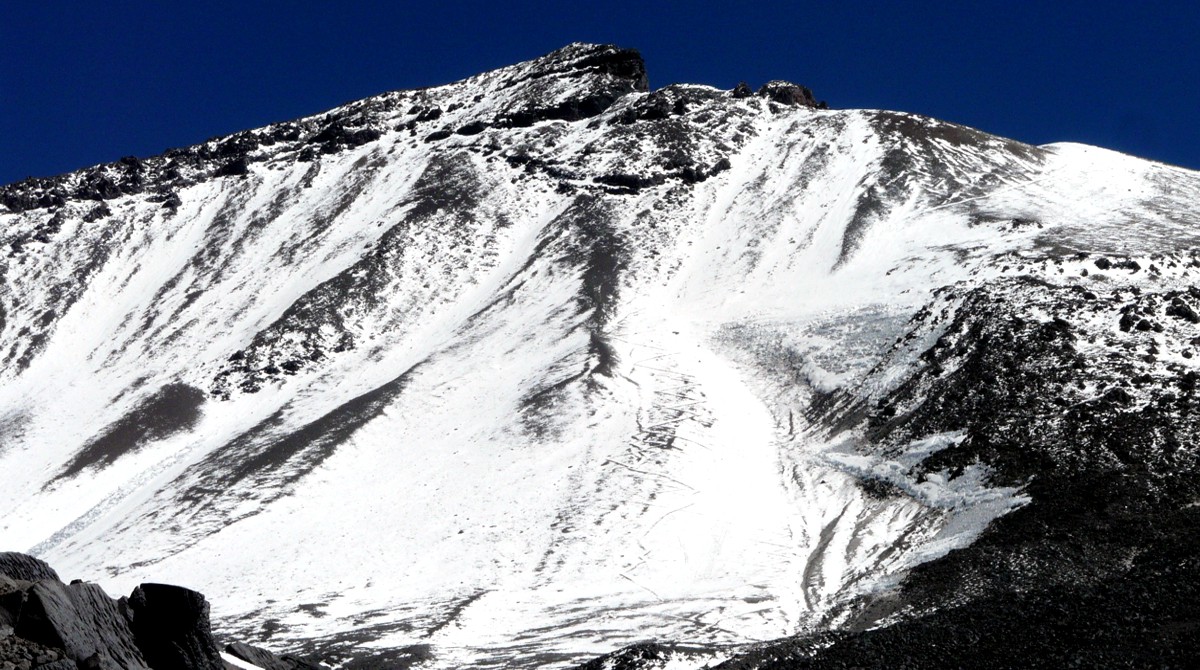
(48, 625)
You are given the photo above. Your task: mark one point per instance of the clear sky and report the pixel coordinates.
(88, 82)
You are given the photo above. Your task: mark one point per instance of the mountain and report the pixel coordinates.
(527, 368)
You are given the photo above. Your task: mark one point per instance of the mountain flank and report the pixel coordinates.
(548, 368)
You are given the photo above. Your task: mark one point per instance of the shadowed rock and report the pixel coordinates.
(787, 93)
(81, 620)
(268, 660)
(19, 653)
(23, 567)
(48, 625)
(172, 627)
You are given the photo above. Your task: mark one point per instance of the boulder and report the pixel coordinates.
(1180, 309)
(171, 626)
(787, 93)
(48, 625)
(268, 660)
(256, 655)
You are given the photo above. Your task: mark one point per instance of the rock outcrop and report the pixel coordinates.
(26, 568)
(172, 628)
(48, 625)
(787, 93)
(82, 621)
(268, 660)
(576, 82)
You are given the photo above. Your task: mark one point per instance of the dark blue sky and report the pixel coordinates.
(88, 82)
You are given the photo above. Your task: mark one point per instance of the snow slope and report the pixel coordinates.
(515, 371)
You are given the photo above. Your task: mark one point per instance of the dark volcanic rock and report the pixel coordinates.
(235, 167)
(24, 567)
(611, 74)
(338, 136)
(19, 653)
(578, 60)
(256, 655)
(81, 620)
(645, 654)
(12, 601)
(1146, 619)
(1098, 569)
(787, 93)
(172, 628)
(48, 625)
(1181, 309)
(268, 660)
(472, 128)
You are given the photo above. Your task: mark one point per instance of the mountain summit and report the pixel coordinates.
(523, 369)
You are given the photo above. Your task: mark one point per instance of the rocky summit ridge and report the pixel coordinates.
(576, 82)
(573, 83)
(531, 368)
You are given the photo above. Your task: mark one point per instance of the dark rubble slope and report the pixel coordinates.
(1081, 397)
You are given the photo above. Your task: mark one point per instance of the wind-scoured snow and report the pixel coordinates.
(522, 380)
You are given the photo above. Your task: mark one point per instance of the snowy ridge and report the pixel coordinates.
(513, 371)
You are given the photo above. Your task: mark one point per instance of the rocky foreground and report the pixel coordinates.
(48, 625)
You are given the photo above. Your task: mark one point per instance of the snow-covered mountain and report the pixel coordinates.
(519, 370)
